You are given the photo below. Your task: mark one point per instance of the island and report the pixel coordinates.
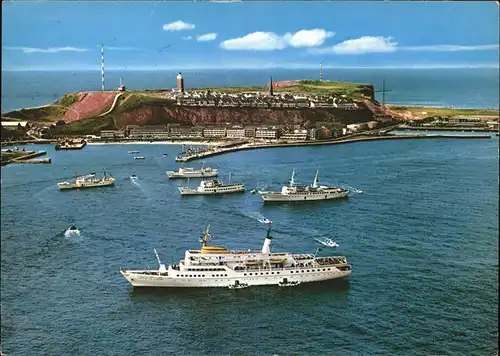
(284, 112)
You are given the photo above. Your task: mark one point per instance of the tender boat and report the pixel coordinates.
(87, 181)
(297, 192)
(238, 285)
(286, 283)
(216, 266)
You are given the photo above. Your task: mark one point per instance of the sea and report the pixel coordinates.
(420, 229)
(446, 87)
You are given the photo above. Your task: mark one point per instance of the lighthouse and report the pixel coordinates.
(180, 83)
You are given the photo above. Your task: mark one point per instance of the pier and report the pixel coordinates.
(26, 157)
(250, 146)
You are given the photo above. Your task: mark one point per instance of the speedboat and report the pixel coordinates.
(164, 155)
(328, 242)
(133, 176)
(138, 157)
(71, 231)
(265, 221)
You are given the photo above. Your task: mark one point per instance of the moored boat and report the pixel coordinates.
(188, 172)
(139, 157)
(132, 152)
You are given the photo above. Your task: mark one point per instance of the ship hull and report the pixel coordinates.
(164, 281)
(279, 197)
(86, 185)
(212, 191)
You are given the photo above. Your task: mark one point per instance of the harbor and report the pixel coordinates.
(23, 156)
(218, 150)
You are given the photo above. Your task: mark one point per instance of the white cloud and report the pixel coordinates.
(308, 38)
(187, 38)
(178, 26)
(256, 41)
(451, 48)
(48, 50)
(269, 41)
(207, 37)
(365, 44)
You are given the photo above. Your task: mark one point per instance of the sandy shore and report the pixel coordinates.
(193, 143)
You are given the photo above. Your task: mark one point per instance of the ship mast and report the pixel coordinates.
(315, 183)
(205, 237)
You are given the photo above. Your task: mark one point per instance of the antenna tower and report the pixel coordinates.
(102, 67)
(383, 91)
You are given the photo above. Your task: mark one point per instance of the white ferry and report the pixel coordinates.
(187, 172)
(297, 192)
(216, 266)
(87, 181)
(211, 187)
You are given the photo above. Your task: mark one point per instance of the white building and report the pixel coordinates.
(268, 133)
(112, 134)
(235, 133)
(214, 132)
(14, 123)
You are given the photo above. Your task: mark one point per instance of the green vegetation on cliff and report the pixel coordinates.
(91, 126)
(306, 87)
(443, 112)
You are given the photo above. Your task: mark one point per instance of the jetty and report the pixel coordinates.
(218, 150)
(23, 156)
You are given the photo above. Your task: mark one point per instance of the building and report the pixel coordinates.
(357, 127)
(180, 131)
(235, 132)
(372, 124)
(180, 83)
(250, 131)
(312, 134)
(149, 131)
(14, 123)
(492, 124)
(266, 133)
(300, 135)
(112, 133)
(214, 131)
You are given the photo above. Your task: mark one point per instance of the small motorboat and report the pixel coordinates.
(71, 231)
(253, 191)
(328, 242)
(286, 283)
(133, 176)
(138, 157)
(164, 155)
(265, 221)
(131, 152)
(238, 285)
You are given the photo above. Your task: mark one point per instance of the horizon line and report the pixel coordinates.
(264, 67)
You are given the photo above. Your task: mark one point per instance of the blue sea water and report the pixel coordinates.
(422, 239)
(474, 87)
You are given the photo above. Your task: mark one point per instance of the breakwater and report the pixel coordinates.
(250, 146)
(28, 158)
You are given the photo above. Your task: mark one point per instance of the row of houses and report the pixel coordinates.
(258, 100)
(212, 131)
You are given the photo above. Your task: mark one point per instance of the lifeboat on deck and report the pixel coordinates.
(214, 249)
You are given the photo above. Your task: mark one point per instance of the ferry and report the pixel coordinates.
(297, 192)
(216, 266)
(87, 181)
(212, 187)
(185, 172)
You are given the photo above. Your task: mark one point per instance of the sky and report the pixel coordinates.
(64, 35)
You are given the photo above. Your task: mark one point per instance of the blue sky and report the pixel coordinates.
(190, 35)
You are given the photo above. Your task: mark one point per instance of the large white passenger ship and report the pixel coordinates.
(216, 266)
(188, 172)
(297, 192)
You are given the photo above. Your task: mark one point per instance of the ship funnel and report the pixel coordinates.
(266, 248)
